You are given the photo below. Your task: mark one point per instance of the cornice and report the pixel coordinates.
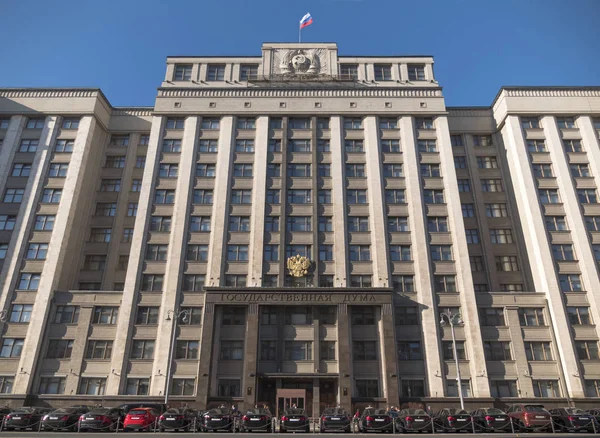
(49, 92)
(298, 93)
(553, 92)
(138, 112)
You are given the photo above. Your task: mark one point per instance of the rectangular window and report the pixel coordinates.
(363, 315)
(20, 313)
(35, 123)
(358, 223)
(580, 170)
(4, 122)
(299, 123)
(416, 72)
(216, 72)
(364, 350)
(229, 388)
(501, 236)
(324, 197)
(592, 223)
(238, 196)
(327, 350)
(299, 170)
(395, 196)
(205, 170)
(299, 223)
(147, 315)
(66, 315)
(448, 350)
(491, 185)
(355, 170)
(248, 72)
(538, 351)
(433, 196)
(530, 122)
(295, 196)
(168, 170)
(297, 350)
(388, 123)
(579, 315)
(460, 163)
(352, 123)
(271, 253)
(186, 387)
(115, 161)
(142, 349)
(300, 145)
(497, 350)
(383, 72)
(29, 281)
(37, 251)
(492, 316)
(409, 350)
(565, 122)
(52, 385)
(390, 146)
(164, 196)
(183, 72)
(398, 224)
(592, 388)
(427, 145)
(570, 282)
(70, 123)
(403, 283)
(440, 252)
(64, 146)
(140, 162)
(536, 146)
(13, 196)
(406, 316)
(367, 388)
(270, 280)
(92, 386)
(356, 196)
(325, 223)
(400, 253)
(573, 146)
(503, 388)
(28, 146)
(360, 253)
(444, 283)
(186, 350)
(424, 123)
(105, 315)
(487, 162)
(556, 223)
(587, 350)
(212, 124)
(121, 140)
(152, 282)
(360, 281)
(272, 223)
(193, 282)
(464, 185)
(563, 252)
(11, 347)
(546, 388)
(210, 146)
(246, 123)
(476, 263)
(349, 71)
(160, 224)
(156, 252)
(137, 387)
(97, 349)
(549, 196)
(110, 185)
(482, 140)
(206, 196)
(234, 315)
(587, 196)
(274, 196)
(20, 169)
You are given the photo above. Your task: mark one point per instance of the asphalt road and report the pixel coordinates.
(29, 434)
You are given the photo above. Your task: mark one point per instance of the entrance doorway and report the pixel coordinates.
(289, 398)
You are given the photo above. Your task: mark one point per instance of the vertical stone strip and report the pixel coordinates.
(249, 379)
(340, 247)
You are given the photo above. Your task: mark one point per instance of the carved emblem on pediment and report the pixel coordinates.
(299, 62)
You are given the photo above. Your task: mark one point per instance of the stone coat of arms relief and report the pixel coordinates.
(300, 62)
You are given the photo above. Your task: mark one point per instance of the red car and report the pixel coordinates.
(140, 419)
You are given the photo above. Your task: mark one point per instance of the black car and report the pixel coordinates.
(335, 419)
(3, 413)
(410, 420)
(378, 420)
(453, 420)
(491, 420)
(25, 418)
(593, 412)
(257, 419)
(218, 419)
(177, 419)
(294, 420)
(572, 419)
(102, 419)
(64, 418)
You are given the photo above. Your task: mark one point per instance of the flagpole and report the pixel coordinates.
(300, 34)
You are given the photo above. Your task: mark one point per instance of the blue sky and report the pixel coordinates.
(121, 46)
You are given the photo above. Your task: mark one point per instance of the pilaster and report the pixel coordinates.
(338, 198)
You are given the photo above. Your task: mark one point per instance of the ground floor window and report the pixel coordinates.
(592, 388)
(298, 350)
(52, 385)
(503, 388)
(137, 387)
(92, 386)
(229, 388)
(6, 384)
(367, 388)
(452, 388)
(546, 388)
(413, 388)
(183, 387)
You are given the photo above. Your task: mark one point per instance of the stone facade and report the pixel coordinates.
(143, 250)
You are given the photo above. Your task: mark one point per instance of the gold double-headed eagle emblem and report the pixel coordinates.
(298, 265)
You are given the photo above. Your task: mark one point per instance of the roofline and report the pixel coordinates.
(476, 107)
(543, 87)
(339, 56)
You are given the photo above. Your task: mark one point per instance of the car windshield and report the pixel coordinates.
(416, 412)
(294, 411)
(218, 411)
(534, 408)
(575, 411)
(172, 411)
(99, 412)
(258, 411)
(457, 412)
(65, 411)
(24, 410)
(381, 412)
(138, 411)
(495, 411)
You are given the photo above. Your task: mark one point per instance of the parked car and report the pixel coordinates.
(453, 420)
(593, 412)
(25, 418)
(490, 420)
(104, 419)
(335, 419)
(158, 407)
(140, 419)
(218, 419)
(63, 418)
(294, 420)
(177, 419)
(530, 417)
(375, 420)
(572, 419)
(257, 419)
(409, 420)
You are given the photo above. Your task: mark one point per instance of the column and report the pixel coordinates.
(316, 401)
(249, 379)
(78, 353)
(538, 248)
(10, 145)
(464, 281)
(175, 258)
(344, 354)
(206, 345)
(259, 188)
(377, 220)
(136, 259)
(521, 363)
(389, 355)
(214, 267)
(419, 235)
(60, 235)
(317, 361)
(338, 198)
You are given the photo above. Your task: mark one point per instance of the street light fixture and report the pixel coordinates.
(184, 315)
(454, 319)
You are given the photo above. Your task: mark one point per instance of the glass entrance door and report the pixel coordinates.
(290, 398)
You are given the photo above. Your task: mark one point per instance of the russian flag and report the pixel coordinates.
(306, 21)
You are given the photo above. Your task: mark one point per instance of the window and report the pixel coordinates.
(416, 72)
(430, 170)
(235, 280)
(579, 315)
(536, 146)
(476, 263)
(105, 315)
(592, 223)
(572, 145)
(147, 316)
(400, 253)
(295, 196)
(29, 281)
(464, 185)
(152, 282)
(187, 387)
(326, 281)
(324, 170)
(167, 196)
(20, 312)
(511, 287)
(110, 185)
(444, 283)
(137, 387)
(204, 196)
(302, 250)
(99, 349)
(580, 170)
(538, 351)
(364, 350)
(3, 250)
(352, 123)
(395, 196)
(390, 146)
(482, 287)
(274, 196)
(274, 145)
(299, 123)
(37, 251)
(565, 122)
(482, 140)
(497, 350)
(358, 223)
(409, 350)
(383, 72)
(274, 170)
(440, 252)
(507, 263)
(542, 171)
(183, 72)
(556, 223)
(197, 252)
(186, 350)
(549, 196)
(11, 347)
(13, 196)
(592, 388)
(460, 163)
(406, 316)
(59, 349)
(20, 169)
(246, 123)
(92, 386)
(272, 223)
(403, 283)
(487, 162)
(452, 388)
(367, 388)
(491, 185)
(355, 170)
(587, 196)
(271, 253)
(239, 223)
(424, 122)
(587, 350)
(299, 170)
(472, 235)
(142, 349)
(70, 124)
(448, 350)
(239, 196)
(496, 210)
(468, 210)
(205, 170)
(193, 283)
(360, 281)
(297, 350)
(388, 123)
(248, 72)
(65, 146)
(427, 145)
(433, 196)
(456, 140)
(300, 145)
(28, 146)
(530, 122)
(503, 388)
(229, 388)
(66, 315)
(127, 234)
(360, 253)
(242, 170)
(363, 315)
(501, 236)
(233, 315)
(492, 316)
(270, 280)
(35, 123)
(397, 224)
(140, 162)
(121, 140)
(563, 252)
(216, 72)
(299, 223)
(546, 388)
(323, 146)
(4, 122)
(115, 161)
(157, 252)
(327, 350)
(437, 224)
(349, 71)
(213, 124)
(52, 385)
(354, 146)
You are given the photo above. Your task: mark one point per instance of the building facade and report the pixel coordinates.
(146, 251)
